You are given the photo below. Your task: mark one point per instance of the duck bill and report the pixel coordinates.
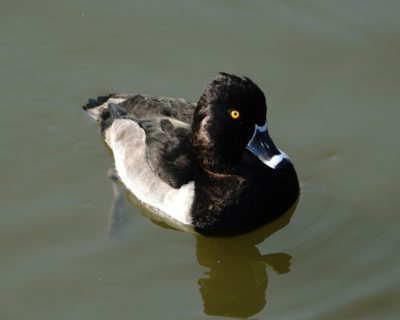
(262, 146)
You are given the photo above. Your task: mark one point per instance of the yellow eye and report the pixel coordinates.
(235, 114)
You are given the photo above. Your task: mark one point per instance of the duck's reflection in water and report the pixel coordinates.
(235, 283)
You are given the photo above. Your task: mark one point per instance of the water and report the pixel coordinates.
(330, 71)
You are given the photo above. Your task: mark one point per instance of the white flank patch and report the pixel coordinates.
(127, 140)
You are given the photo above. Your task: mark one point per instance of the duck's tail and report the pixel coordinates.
(105, 109)
(95, 107)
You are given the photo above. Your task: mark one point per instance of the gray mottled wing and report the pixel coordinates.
(141, 106)
(166, 122)
(169, 150)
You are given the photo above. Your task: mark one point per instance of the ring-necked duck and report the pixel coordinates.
(211, 166)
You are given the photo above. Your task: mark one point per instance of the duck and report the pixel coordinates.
(210, 166)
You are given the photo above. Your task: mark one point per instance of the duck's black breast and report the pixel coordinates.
(250, 197)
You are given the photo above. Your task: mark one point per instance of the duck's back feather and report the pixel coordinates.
(142, 106)
(167, 126)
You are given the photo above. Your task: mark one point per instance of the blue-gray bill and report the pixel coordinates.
(262, 146)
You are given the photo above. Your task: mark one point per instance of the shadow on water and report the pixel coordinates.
(236, 281)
